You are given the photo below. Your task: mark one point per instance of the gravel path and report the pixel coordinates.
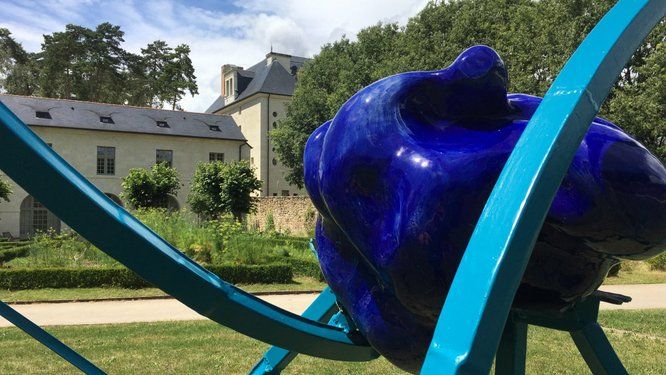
(646, 296)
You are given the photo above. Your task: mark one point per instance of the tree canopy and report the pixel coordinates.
(91, 64)
(535, 38)
(144, 188)
(219, 188)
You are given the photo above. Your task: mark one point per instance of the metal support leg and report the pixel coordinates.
(276, 359)
(597, 351)
(47, 340)
(510, 358)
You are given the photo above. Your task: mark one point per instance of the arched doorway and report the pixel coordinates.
(36, 218)
(115, 199)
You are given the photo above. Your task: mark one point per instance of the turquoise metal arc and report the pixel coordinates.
(475, 312)
(46, 176)
(48, 340)
(276, 359)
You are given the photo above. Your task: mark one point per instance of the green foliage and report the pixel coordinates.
(5, 189)
(116, 277)
(219, 188)
(269, 226)
(535, 38)
(144, 188)
(658, 263)
(197, 240)
(14, 252)
(640, 106)
(91, 64)
(61, 250)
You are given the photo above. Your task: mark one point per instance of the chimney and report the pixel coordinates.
(283, 59)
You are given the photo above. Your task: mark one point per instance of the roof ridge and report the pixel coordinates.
(109, 104)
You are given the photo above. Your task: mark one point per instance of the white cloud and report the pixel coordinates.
(240, 34)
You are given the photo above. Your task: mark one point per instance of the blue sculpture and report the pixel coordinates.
(400, 177)
(477, 322)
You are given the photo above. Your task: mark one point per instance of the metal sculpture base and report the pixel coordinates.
(581, 323)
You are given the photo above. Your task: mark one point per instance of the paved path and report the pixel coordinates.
(647, 296)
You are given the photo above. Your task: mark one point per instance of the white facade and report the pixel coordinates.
(79, 147)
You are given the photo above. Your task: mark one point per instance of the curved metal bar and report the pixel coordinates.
(57, 346)
(51, 180)
(471, 322)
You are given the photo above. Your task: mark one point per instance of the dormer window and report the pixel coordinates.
(162, 124)
(106, 120)
(229, 86)
(43, 114)
(214, 128)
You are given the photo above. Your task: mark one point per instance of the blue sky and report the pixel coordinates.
(219, 32)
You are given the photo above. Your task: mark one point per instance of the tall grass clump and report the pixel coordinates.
(67, 249)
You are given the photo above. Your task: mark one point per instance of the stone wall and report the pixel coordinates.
(294, 215)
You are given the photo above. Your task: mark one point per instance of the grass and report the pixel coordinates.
(299, 284)
(205, 348)
(637, 273)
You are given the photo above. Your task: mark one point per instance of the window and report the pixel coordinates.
(43, 114)
(275, 194)
(284, 193)
(164, 156)
(274, 114)
(216, 156)
(214, 128)
(106, 160)
(35, 218)
(106, 119)
(229, 87)
(162, 124)
(274, 161)
(274, 125)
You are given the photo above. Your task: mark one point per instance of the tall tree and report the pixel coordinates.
(178, 77)
(91, 64)
(535, 38)
(219, 188)
(18, 73)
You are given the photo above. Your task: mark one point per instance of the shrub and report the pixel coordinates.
(219, 188)
(269, 226)
(39, 278)
(15, 252)
(62, 250)
(305, 267)
(5, 190)
(181, 229)
(658, 263)
(144, 188)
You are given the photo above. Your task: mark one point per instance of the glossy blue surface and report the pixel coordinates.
(400, 177)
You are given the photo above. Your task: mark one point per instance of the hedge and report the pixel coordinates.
(303, 267)
(8, 254)
(38, 278)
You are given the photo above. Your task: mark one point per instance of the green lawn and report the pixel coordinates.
(638, 276)
(299, 284)
(205, 348)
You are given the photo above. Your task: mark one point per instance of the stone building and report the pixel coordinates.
(256, 99)
(104, 141)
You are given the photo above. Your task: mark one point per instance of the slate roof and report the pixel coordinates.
(263, 78)
(86, 115)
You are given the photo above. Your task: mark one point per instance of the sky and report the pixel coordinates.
(218, 32)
